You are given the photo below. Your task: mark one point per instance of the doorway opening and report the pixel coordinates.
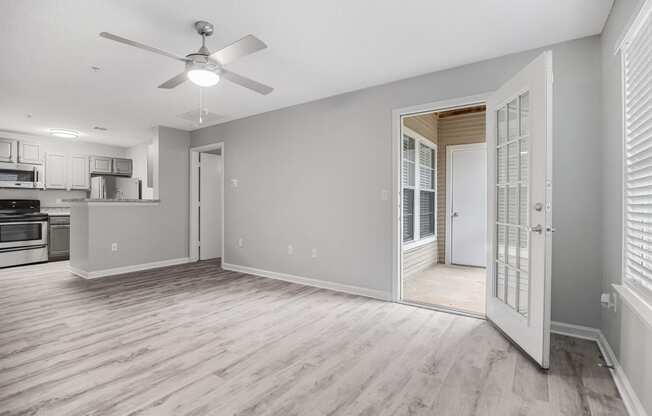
(444, 209)
(207, 202)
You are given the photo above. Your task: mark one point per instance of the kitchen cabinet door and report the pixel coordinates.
(122, 167)
(8, 149)
(101, 164)
(55, 171)
(79, 174)
(29, 152)
(59, 244)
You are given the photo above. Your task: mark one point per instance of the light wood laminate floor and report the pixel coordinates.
(196, 340)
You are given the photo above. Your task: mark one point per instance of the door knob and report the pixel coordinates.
(455, 214)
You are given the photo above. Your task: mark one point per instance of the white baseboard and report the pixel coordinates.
(322, 284)
(627, 393)
(128, 269)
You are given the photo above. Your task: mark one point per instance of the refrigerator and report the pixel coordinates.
(114, 187)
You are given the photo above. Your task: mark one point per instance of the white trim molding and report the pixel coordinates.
(322, 284)
(128, 269)
(627, 393)
(193, 202)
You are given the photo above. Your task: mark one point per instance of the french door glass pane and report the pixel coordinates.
(524, 159)
(500, 281)
(511, 287)
(512, 120)
(512, 165)
(523, 206)
(512, 245)
(501, 161)
(502, 125)
(523, 260)
(523, 293)
(512, 205)
(501, 234)
(524, 103)
(502, 204)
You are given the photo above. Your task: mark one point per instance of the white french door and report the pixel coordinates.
(519, 123)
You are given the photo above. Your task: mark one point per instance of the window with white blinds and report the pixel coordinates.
(636, 54)
(418, 179)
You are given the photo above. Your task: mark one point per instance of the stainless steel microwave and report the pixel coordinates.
(18, 175)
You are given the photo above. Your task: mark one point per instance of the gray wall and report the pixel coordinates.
(312, 175)
(627, 334)
(144, 234)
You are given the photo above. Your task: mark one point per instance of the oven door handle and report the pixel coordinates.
(23, 248)
(43, 223)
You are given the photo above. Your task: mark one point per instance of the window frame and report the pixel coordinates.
(644, 16)
(419, 140)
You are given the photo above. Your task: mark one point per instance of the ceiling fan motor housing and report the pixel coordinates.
(204, 28)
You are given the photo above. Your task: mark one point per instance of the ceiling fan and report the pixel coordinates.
(204, 68)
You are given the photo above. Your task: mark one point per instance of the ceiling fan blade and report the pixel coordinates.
(174, 81)
(245, 46)
(139, 45)
(246, 82)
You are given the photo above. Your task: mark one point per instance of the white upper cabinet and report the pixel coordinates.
(55, 171)
(101, 164)
(29, 152)
(8, 148)
(122, 167)
(79, 174)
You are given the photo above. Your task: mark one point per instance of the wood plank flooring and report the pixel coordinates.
(197, 340)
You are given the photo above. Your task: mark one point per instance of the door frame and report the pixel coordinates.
(397, 205)
(449, 190)
(193, 241)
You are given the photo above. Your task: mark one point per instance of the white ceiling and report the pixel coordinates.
(316, 49)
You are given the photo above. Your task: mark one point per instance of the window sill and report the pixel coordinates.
(636, 302)
(422, 242)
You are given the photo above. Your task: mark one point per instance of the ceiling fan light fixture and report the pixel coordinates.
(200, 74)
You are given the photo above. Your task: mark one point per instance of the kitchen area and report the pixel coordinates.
(42, 178)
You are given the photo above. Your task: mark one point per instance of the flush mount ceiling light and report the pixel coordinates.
(64, 134)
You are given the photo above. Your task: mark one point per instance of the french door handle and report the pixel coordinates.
(455, 214)
(536, 229)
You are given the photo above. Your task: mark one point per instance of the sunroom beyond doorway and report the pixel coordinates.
(443, 152)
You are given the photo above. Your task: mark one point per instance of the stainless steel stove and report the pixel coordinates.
(23, 232)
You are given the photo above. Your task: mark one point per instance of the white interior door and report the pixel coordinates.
(210, 206)
(519, 129)
(467, 196)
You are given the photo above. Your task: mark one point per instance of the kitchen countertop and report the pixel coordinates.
(108, 201)
(56, 211)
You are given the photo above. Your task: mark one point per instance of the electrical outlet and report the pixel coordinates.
(290, 250)
(384, 195)
(234, 183)
(114, 246)
(314, 253)
(240, 242)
